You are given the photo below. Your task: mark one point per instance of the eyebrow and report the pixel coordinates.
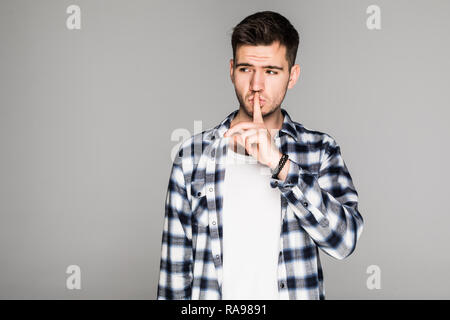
(244, 64)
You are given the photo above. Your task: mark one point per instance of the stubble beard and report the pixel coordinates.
(242, 105)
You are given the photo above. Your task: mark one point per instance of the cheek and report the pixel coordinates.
(241, 85)
(240, 80)
(276, 83)
(276, 87)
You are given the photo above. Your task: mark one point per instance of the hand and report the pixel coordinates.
(255, 138)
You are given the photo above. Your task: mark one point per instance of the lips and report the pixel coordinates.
(261, 101)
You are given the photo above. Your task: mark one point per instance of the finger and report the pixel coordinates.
(248, 137)
(248, 133)
(245, 140)
(240, 143)
(252, 145)
(235, 142)
(240, 126)
(257, 115)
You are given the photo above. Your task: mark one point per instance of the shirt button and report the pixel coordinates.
(217, 256)
(214, 223)
(282, 285)
(305, 204)
(210, 189)
(199, 194)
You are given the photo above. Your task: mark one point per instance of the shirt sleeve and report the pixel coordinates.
(175, 277)
(326, 203)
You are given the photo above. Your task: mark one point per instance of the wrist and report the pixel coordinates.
(274, 163)
(284, 172)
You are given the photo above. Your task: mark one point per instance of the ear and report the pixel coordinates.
(232, 70)
(295, 73)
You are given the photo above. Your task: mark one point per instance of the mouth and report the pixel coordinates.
(261, 101)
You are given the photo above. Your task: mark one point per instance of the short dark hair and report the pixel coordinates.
(264, 28)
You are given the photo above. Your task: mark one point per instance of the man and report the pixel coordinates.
(241, 229)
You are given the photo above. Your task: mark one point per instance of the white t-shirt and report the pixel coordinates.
(251, 230)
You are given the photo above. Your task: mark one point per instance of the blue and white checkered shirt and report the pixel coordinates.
(319, 209)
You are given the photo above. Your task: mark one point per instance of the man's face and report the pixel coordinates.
(263, 69)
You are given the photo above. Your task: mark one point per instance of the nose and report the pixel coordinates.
(257, 81)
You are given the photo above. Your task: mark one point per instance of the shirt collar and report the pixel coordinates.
(288, 126)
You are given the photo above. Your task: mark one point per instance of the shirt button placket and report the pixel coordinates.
(214, 231)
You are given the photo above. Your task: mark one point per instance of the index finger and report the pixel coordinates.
(257, 115)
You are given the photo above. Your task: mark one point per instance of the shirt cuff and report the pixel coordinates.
(298, 183)
(291, 179)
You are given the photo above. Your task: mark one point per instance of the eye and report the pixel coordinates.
(274, 72)
(242, 69)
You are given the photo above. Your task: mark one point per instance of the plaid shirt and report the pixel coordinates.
(319, 209)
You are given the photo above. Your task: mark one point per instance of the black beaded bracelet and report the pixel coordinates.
(280, 166)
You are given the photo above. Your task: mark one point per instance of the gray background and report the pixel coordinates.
(86, 119)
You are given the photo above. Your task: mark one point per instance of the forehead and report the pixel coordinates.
(274, 53)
